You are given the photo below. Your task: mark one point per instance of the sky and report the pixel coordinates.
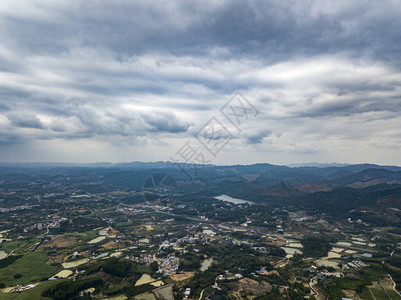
(226, 82)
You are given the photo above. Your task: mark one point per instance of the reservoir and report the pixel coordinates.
(232, 200)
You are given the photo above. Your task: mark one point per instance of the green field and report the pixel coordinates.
(32, 267)
(379, 294)
(19, 246)
(393, 295)
(34, 293)
(80, 239)
(90, 235)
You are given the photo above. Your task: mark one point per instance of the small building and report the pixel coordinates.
(187, 293)
(89, 291)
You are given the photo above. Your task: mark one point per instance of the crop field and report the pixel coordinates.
(31, 267)
(181, 277)
(34, 293)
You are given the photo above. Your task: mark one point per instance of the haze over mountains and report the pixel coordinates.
(347, 189)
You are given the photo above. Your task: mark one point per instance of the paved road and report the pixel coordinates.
(313, 285)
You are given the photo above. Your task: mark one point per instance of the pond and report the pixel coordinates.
(206, 264)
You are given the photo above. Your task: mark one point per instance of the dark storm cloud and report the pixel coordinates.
(257, 138)
(149, 71)
(26, 120)
(164, 122)
(4, 107)
(7, 139)
(361, 106)
(260, 28)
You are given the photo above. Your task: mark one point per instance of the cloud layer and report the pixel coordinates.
(123, 81)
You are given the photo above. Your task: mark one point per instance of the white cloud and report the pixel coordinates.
(139, 78)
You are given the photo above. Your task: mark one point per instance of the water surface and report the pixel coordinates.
(206, 264)
(232, 200)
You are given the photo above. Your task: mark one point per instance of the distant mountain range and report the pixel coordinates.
(317, 165)
(334, 189)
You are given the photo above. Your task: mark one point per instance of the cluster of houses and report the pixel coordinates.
(130, 209)
(145, 259)
(246, 223)
(324, 273)
(55, 223)
(87, 292)
(332, 274)
(359, 221)
(229, 276)
(188, 239)
(21, 207)
(20, 288)
(168, 265)
(261, 249)
(38, 226)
